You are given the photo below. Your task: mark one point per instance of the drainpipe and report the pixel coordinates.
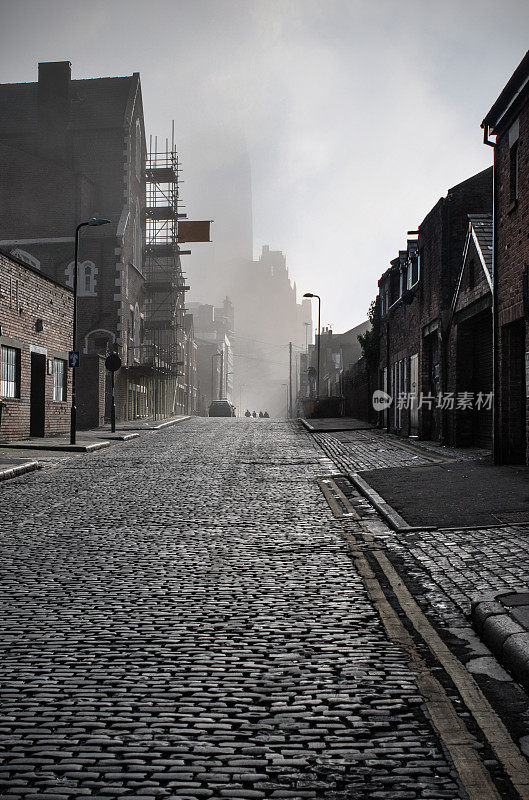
(496, 445)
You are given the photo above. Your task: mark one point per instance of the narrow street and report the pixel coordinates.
(183, 616)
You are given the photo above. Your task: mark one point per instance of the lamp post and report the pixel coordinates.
(309, 294)
(92, 223)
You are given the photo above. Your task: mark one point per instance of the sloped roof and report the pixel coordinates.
(481, 225)
(513, 87)
(480, 234)
(94, 103)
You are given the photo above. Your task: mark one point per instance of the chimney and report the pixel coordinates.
(53, 99)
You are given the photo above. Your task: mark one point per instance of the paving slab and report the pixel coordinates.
(455, 494)
(336, 424)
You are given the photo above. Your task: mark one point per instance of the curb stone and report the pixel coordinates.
(18, 469)
(504, 636)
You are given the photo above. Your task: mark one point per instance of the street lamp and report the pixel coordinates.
(92, 223)
(309, 294)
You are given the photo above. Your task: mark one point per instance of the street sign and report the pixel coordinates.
(73, 358)
(113, 362)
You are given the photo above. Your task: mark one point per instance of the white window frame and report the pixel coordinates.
(86, 269)
(9, 372)
(59, 380)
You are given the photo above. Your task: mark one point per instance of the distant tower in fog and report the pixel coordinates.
(266, 323)
(219, 186)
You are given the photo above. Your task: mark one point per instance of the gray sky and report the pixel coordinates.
(358, 114)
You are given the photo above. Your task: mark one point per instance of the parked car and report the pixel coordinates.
(221, 408)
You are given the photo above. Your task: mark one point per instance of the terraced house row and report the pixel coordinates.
(450, 318)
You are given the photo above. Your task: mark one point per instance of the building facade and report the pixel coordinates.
(72, 150)
(506, 128)
(36, 314)
(215, 327)
(416, 298)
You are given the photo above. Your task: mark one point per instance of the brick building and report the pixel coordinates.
(190, 366)
(469, 341)
(400, 337)
(36, 314)
(71, 150)
(508, 122)
(416, 295)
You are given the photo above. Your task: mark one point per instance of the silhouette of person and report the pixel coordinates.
(254, 414)
(266, 414)
(247, 413)
(261, 414)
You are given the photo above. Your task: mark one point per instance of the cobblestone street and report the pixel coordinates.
(181, 618)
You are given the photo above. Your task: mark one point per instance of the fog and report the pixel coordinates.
(325, 130)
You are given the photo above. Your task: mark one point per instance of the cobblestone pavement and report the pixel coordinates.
(375, 449)
(465, 564)
(181, 618)
(446, 569)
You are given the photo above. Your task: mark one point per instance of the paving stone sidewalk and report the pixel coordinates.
(181, 618)
(459, 576)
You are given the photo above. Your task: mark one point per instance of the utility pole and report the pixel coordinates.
(290, 377)
(222, 393)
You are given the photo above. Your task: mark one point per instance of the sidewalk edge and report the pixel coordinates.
(19, 469)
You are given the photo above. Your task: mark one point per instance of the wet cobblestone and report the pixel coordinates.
(454, 567)
(180, 618)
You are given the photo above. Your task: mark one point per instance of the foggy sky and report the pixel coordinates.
(358, 115)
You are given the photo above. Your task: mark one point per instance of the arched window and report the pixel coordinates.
(99, 340)
(138, 151)
(137, 245)
(86, 278)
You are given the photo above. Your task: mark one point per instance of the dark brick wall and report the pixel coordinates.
(441, 238)
(90, 391)
(511, 263)
(399, 340)
(415, 324)
(70, 168)
(472, 295)
(358, 384)
(36, 298)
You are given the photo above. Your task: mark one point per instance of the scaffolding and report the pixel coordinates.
(165, 284)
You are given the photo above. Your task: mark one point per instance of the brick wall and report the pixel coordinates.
(399, 340)
(68, 169)
(511, 263)
(25, 297)
(90, 391)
